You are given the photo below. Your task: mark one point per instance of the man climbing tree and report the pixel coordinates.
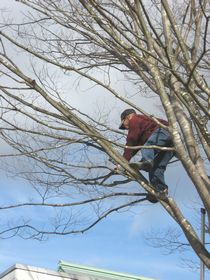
(143, 130)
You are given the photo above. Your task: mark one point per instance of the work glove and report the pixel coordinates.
(118, 168)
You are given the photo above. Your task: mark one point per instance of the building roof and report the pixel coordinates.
(95, 273)
(26, 272)
(66, 271)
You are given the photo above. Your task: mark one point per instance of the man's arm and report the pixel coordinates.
(133, 138)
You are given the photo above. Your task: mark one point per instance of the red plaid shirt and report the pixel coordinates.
(140, 129)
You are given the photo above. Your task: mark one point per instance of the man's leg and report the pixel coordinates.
(158, 160)
(156, 174)
(160, 137)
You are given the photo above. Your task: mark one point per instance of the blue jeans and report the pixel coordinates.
(159, 159)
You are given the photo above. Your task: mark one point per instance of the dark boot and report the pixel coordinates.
(151, 198)
(142, 165)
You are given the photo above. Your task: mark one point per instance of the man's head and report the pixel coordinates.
(125, 118)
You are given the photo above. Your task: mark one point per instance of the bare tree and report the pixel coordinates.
(160, 45)
(171, 241)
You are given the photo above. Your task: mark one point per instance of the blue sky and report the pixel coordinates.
(118, 242)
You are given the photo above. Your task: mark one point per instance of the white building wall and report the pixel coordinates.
(75, 272)
(22, 272)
